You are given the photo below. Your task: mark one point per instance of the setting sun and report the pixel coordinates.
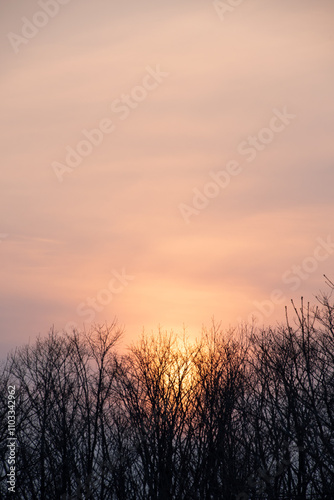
(167, 250)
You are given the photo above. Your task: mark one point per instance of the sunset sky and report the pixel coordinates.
(184, 92)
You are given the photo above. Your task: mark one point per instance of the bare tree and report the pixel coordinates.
(225, 417)
(157, 391)
(63, 382)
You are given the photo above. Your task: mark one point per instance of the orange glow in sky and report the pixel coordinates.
(163, 164)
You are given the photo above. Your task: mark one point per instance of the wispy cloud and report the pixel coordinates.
(121, 204)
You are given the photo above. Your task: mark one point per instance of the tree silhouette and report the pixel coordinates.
(230, 416)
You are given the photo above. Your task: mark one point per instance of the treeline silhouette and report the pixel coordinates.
(239, 415)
